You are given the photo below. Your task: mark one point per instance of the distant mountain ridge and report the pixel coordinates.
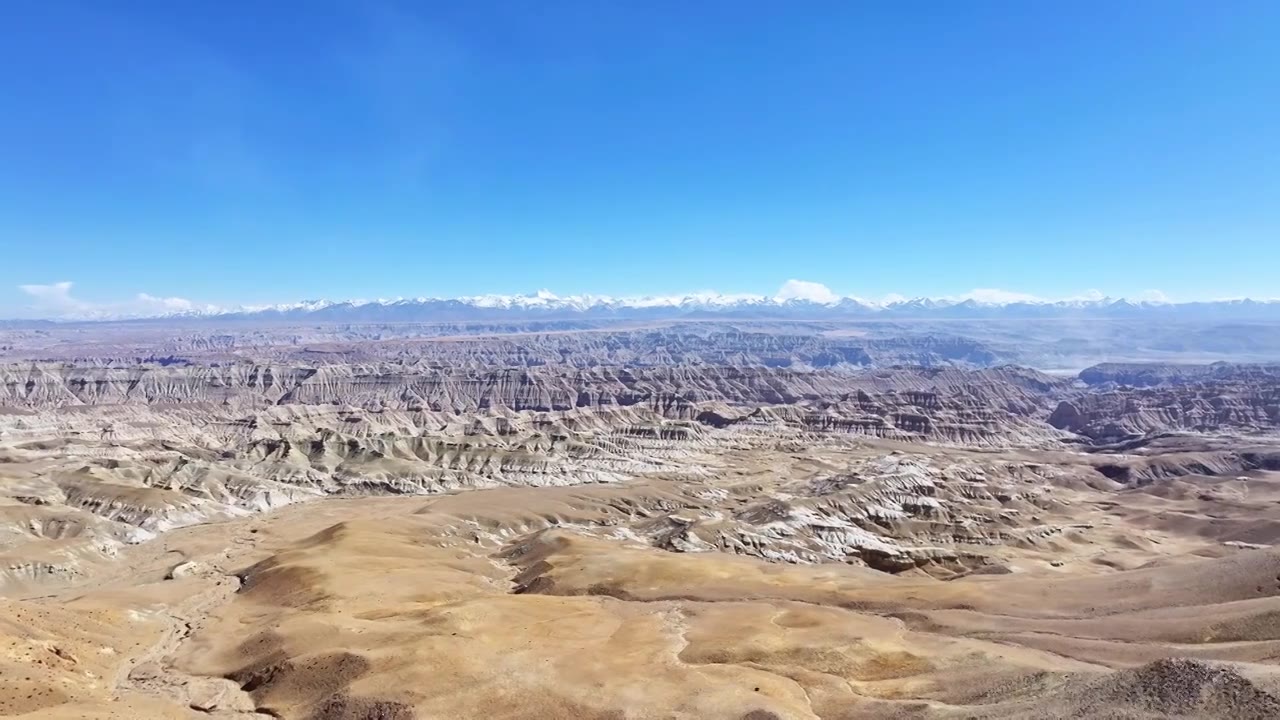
(547, 306)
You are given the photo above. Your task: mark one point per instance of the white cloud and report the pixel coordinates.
(998, 297)
(56, 301)
(1153, 296)
(54, 296)
(805, 290)
(1089, 296)
(172, 304)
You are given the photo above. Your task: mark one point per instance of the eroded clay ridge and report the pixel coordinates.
(1131, 400)
(734, 540)
(422, 386)
(746, 342)
(1105, 403)
(580, 345)
(1017, 586)
(99, 458)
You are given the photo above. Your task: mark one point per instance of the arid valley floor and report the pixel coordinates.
(741, 521)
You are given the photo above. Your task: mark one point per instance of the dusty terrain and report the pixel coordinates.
(732, 527)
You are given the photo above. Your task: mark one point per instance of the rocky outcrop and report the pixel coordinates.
(991, 406)
(1203, 399)
(1143, 375)
(747, 344)
(891, 513)
(128, 452)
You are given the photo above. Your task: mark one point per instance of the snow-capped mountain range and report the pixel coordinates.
(795, 299)
(548, 306)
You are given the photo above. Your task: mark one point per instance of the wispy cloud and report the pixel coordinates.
(55, 300)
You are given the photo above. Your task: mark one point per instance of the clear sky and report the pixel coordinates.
(271, 151)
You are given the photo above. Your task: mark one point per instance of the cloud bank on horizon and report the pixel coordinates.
(56, 301)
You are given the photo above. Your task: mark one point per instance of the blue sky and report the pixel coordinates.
(286, 150)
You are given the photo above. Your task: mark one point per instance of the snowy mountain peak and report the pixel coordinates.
(795, 299)
(803, 305)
